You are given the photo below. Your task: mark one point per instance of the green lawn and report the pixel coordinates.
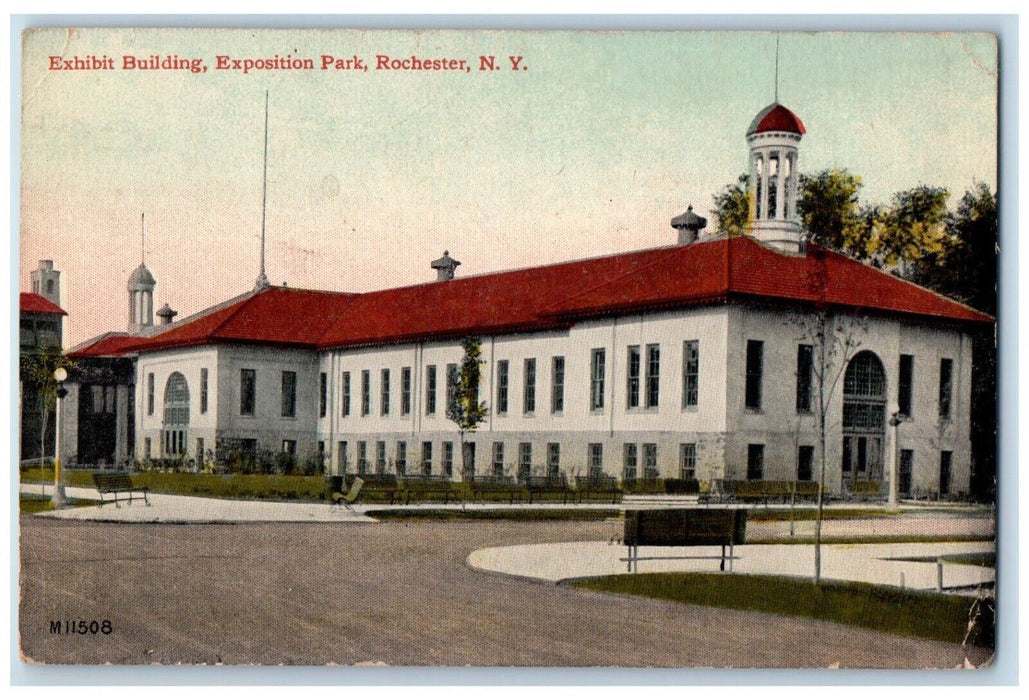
(882, 608)
(31, 503)
(522, 514)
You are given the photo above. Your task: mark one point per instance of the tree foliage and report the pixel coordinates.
(732, 207)
(828, 208)
(37, 372)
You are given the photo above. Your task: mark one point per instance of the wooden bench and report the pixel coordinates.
(542, 486)
(424, 486)
(378, 485)
(494, 486)
(684, 527)
(865, 490)
(600, 485)
(114, 484)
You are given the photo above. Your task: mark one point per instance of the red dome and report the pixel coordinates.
(775, 117)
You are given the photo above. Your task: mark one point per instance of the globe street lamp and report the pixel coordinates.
(60, 374)
(896, 418)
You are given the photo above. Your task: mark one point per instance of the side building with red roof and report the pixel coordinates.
(700, 361)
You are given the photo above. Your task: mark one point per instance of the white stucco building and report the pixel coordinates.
(697, 360)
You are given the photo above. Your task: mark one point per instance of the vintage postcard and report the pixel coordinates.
(508, 348)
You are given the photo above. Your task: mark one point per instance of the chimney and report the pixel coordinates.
(166, 314)
(445, 267)
(689, 226)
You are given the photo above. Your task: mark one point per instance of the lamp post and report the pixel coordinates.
(896, 418)
(60, 374)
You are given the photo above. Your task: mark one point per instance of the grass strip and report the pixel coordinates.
(881, 608)
(871, 539)
(31, 503)
(520, 514)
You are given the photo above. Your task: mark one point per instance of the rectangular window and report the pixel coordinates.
(904, 383)
(430, 390)
(384, 393)
(690, 373)
(448, 459)
(597, 379)
(200, 454)
(524, 459)
(203, 390)
(380, 457)
(632, 378)
(453, 379)
(150, 394)
(97, 395)
(366, 392)
(289, 447)
(688, 460)
(346, 394)
(498, 459)
(147, 450)
(805, 462)
(630, 461)
(553, 458)
(405, 391)
(945, 462)
(401, 457)
(595, 459)
(362, 457)
(946, 385)
(323, 394)
(289, 394)
(503, 370)
(755, 359)
(905, 469)
(529, 396)
(557, 385)
(653, 375)
(426, 458)
(247, 391)
(650, 460)
(805, 367)
(342, 458)
(755, 462)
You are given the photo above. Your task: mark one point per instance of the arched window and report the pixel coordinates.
(176, 414)
(864, 418)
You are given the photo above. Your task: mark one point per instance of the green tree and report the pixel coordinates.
(829, 209)
(37, 372)
(732, 207)
(464, 407)
(912, 233)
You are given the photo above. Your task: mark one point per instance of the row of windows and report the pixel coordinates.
(643, 381)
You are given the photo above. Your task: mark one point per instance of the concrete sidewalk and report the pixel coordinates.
(884, 564)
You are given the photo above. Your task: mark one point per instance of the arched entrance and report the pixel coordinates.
(176, 415)
(864, 418)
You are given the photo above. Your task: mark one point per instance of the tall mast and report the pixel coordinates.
(262, 279)
(142, 236)
(777, 67)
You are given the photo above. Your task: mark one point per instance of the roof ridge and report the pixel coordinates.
(89, 342)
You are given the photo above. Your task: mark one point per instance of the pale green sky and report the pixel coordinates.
(371, 175)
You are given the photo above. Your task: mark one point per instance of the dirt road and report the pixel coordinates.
(392, 592)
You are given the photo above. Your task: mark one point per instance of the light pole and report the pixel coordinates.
(60, 374)
(896, 418)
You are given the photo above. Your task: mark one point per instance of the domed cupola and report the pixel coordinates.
(773, 136)
(141, 299)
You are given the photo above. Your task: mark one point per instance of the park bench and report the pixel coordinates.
(865, 490)
(540, 487)
(763, 491)
(683, 527)
(600, 485)
(115, 484)
(378, 486)
(496, 486)
(422, 487)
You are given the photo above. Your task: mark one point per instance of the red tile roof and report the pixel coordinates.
(107, 345)
(34, 303)
(775, 117)
(556, 296)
